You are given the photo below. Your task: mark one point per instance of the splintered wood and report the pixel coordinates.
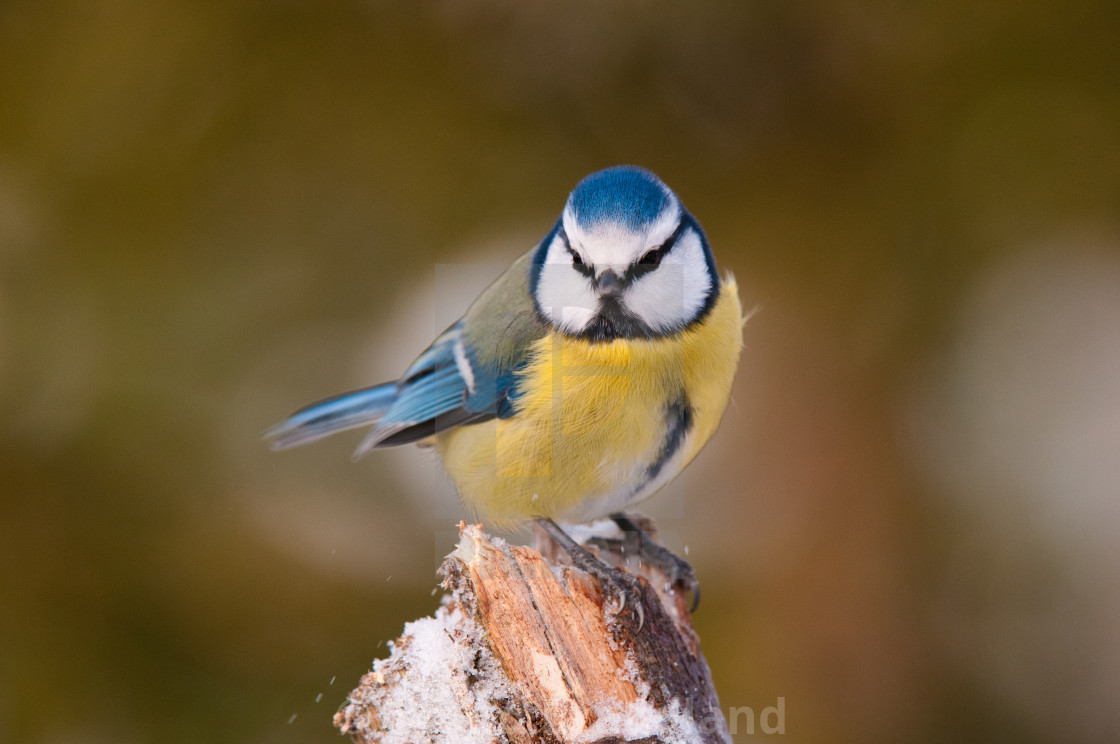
(528, 651)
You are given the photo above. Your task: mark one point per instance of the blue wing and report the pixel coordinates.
(444, 387)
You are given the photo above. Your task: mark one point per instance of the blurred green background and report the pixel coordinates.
(214, 212)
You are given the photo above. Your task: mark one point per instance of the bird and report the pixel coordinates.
(581, 381)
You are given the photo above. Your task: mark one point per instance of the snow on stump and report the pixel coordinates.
(527, 649)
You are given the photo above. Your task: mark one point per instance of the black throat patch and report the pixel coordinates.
(613, 321)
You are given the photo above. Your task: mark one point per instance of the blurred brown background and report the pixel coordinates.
(214, 212)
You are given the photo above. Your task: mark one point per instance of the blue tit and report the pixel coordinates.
(583, 379)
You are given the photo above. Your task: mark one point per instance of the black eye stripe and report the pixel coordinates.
(579, 265)
(652, 258)
(577, 260)
(649, 261)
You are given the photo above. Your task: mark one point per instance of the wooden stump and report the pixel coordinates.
(527, 649)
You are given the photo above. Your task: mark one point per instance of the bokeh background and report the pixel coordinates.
(214, 212)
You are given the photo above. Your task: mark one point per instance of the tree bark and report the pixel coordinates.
(527, 649)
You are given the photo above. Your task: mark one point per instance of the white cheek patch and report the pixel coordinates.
(575, 319)
(564, 295)
(670, 296)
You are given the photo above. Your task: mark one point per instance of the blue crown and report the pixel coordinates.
(624, 194)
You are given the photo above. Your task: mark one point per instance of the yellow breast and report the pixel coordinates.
(592, 420)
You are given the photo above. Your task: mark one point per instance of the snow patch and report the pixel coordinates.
(640, 720)
(445, 683)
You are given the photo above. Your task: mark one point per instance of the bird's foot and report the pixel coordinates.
(636, 542)
(624, 586)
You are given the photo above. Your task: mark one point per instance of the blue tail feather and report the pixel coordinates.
(363, 407)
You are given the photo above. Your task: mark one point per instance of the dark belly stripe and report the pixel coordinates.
(678, 422)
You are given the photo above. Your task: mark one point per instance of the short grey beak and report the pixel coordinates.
(609, 284)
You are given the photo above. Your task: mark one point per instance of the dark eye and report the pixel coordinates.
(652, 258)
(579, 265)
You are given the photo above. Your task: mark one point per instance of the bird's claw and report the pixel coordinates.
(636, 542)
(625, 587)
